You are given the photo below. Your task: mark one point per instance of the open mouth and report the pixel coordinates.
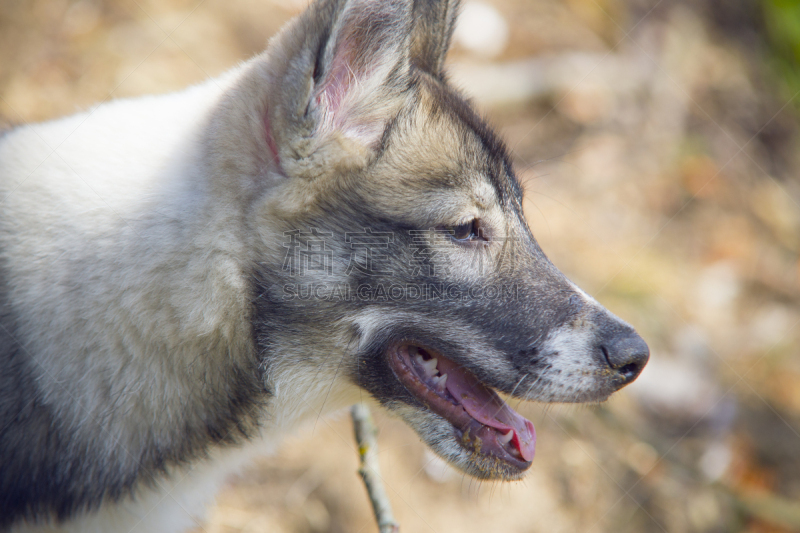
(483, 422)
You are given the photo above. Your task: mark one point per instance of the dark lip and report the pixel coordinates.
(471, 434)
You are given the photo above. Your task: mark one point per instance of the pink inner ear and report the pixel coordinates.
(336, 84)
(339, 82)
(341, 79)
(366, 42)
(348, 68)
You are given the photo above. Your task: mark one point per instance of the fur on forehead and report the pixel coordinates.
(437, 163)
(438, 147)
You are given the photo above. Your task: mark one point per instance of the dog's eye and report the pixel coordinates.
(469, 231)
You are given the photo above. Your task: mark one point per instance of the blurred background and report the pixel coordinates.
(659, 145)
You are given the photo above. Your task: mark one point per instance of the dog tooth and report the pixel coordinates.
(505, 439)
(430, 366)
(441, 381)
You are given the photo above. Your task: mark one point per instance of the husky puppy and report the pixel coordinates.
(184, 278)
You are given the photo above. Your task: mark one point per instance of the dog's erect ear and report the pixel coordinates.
(341, 73)
(434, 21)
(364, 64)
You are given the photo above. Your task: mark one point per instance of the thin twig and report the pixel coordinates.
(367, 439)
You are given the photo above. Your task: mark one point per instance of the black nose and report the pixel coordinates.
(627, 353)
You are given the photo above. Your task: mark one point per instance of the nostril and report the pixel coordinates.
(627, 353)
(605, 354)
(630, 371)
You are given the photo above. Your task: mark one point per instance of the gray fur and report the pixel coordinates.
(434, 22)
(150, 332)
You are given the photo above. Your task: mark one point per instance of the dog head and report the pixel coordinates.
(391, 249)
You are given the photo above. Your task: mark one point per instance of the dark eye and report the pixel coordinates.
(469, 231)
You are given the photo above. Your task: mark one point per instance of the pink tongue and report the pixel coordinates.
(485, 406)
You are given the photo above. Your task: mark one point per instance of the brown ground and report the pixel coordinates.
(662, 169)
